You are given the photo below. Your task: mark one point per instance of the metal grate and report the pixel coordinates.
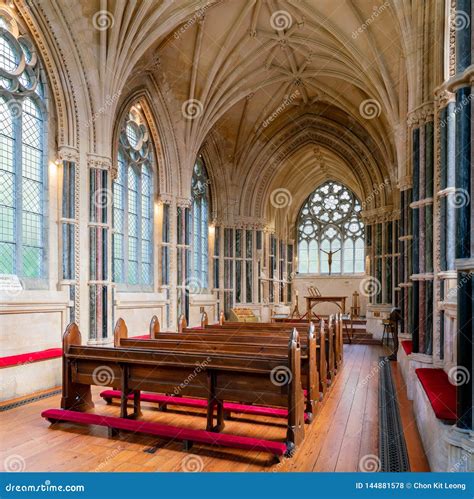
(392, 446)
(19, 403)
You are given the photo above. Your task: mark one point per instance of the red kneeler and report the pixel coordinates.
(166, 431)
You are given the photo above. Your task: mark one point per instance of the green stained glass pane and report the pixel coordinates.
(7, 258)
(31, 226)
(7, 218)
(32, 258)
(6, 188)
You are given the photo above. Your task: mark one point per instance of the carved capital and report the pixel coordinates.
(99, 162)
(67, 153)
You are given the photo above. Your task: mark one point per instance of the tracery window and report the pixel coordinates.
(329, 224)
(200, 213)
(133, 205)
(23, 175)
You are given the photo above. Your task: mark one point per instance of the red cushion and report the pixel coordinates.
(167, 431)
(201, 403)
(27, 358)
(143, 337)
(441, 393)
(407, 346)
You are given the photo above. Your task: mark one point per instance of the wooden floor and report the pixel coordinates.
(344, 431)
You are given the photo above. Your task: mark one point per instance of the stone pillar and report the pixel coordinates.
(70, 248)
(422, 225)
(100, 244)
(461, 438)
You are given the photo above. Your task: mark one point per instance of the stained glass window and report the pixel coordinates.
(22, 158)
(200, 213)
(133, 205)
(330, 230)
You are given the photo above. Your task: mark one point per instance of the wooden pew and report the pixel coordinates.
(259, 331)
(239, 343)
(243, 378)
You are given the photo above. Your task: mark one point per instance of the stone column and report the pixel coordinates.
(422, 219)
(461, 438)
(100, 244)
(70, 248)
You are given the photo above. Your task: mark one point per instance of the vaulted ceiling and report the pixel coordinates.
(274, 92)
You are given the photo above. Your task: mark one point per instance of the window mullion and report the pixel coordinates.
(18, 134)
(140, 231)
(125, 222)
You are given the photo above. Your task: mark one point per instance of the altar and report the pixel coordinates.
(312, 301)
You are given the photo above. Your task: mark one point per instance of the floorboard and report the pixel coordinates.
(345, 429)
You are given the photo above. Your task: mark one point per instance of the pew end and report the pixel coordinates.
(75, 396)
(154, 327)
(182, 323)
(120, 332)
(204, 318)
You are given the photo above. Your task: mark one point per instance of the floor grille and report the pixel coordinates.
(392, 446)
(29, 400)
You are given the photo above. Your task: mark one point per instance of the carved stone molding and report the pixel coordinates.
(165, 198)
(421, 115)
(380, 215)
(99, 162)
(443, 97)
(182, 202)
(67, 153)
(405, 183)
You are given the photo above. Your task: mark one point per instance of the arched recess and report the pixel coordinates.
(63, 71)
(310, 130)
(162, 165)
